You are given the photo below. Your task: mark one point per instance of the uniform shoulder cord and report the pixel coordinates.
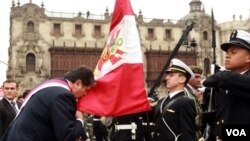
(157, 124)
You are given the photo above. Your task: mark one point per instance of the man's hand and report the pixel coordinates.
(79, 115)
(213, 80)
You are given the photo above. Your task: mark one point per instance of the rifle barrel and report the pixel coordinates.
(172, 55)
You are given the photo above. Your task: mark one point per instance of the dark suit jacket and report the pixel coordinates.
(49, 115)
(7, 114)
(180, 118)
(231, 101)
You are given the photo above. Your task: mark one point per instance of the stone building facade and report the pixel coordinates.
(47, 44)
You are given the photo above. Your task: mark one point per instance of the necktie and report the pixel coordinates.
(13, 104)
(168, 97)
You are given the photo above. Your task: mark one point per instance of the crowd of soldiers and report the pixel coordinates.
(221, 100)
(192, 110)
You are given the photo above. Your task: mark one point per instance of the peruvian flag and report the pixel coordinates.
(120, 88)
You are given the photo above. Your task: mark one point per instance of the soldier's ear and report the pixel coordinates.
(182, 79)
(248, 58)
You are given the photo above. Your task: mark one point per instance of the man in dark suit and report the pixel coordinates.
(49, 110)
(8, 105)
(232, 87)
(175, 114)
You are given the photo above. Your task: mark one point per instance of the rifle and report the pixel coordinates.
(213, 65)
(152, 93)
(210, 112)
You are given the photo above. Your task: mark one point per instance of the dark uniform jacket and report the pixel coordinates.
(49, 115)
(232, 101)
(180, 118)
(7, 114)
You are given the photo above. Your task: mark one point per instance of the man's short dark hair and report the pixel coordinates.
(83, 73)
(25, 93)
(11, 81)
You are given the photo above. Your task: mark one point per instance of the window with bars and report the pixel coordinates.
(57, 28)
(150, 33)
(97, 30)
(30, 26)
(167, 34)
(78, 29)
(30, 62)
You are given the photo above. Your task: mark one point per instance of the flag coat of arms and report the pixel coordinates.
(120, 87)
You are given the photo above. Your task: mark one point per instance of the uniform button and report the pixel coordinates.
(222, 121)
(218, 123)
(158, 134)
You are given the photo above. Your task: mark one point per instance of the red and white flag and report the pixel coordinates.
(120, 88)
